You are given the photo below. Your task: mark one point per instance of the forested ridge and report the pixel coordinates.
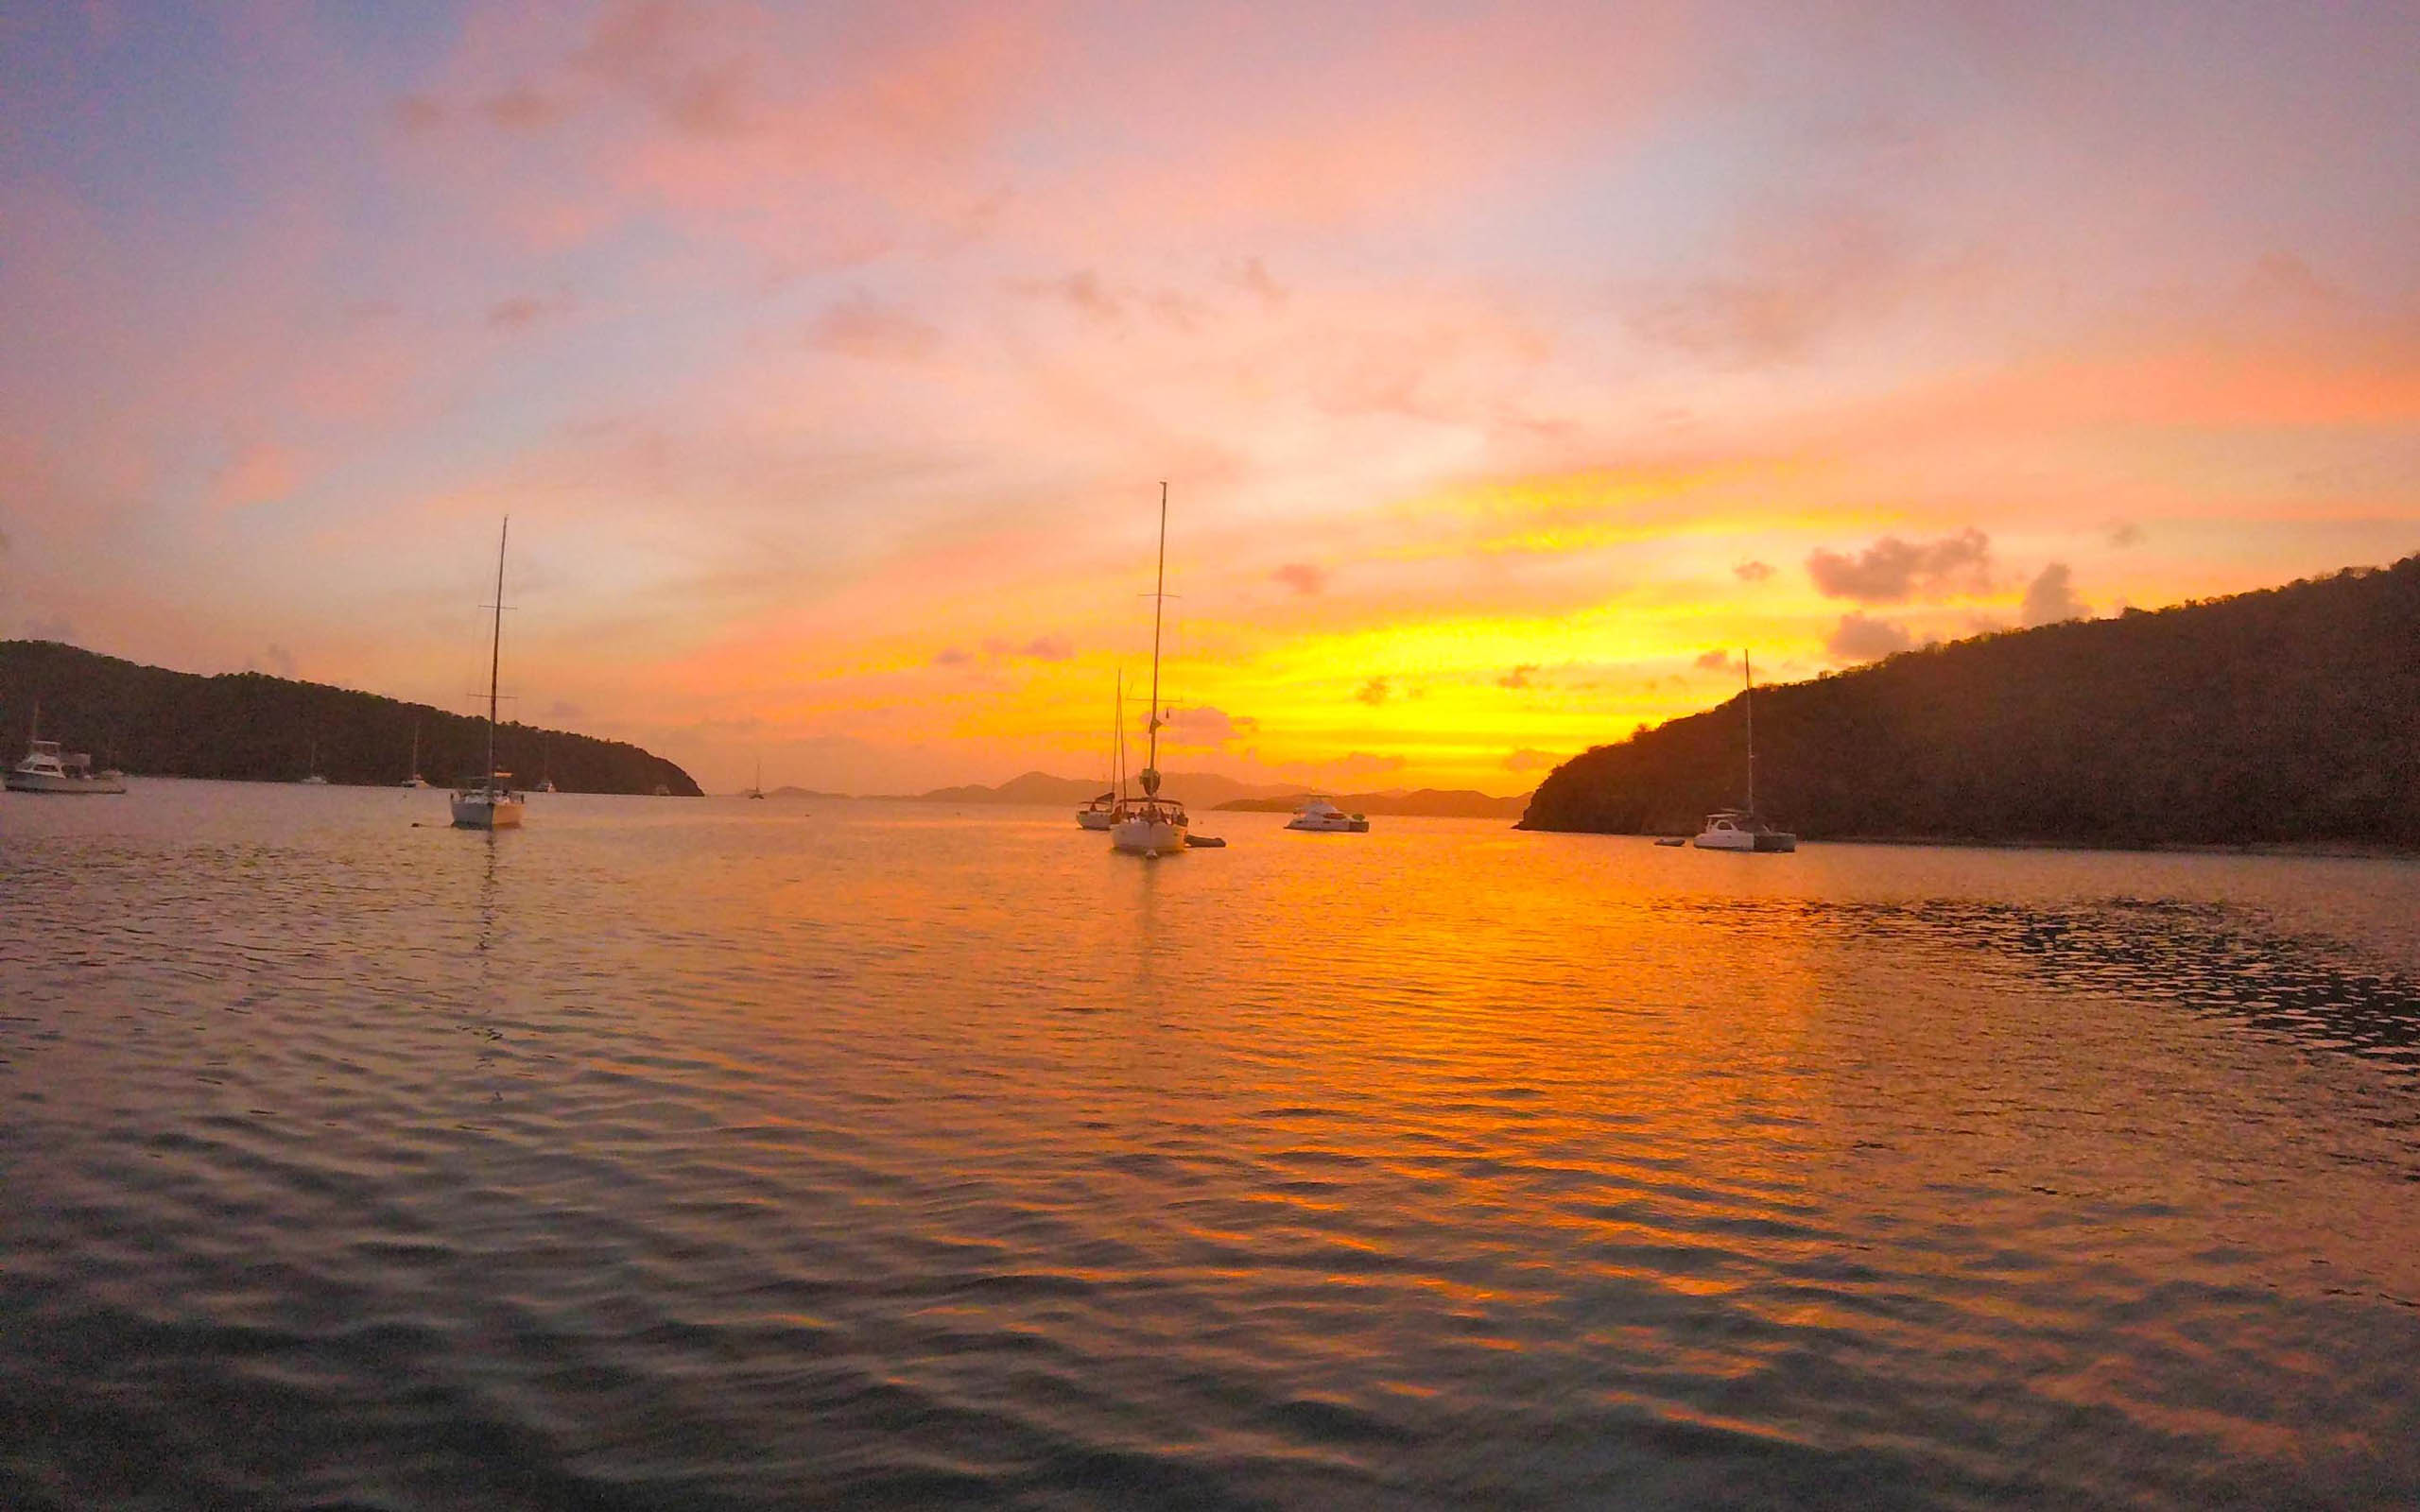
(251, 726)
(2286, 716)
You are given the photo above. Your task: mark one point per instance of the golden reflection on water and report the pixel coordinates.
(1750, 1178)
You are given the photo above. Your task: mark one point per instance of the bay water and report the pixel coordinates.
(714, 1154)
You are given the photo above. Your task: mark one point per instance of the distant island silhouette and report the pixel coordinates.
(2284, 716)
(251, 727)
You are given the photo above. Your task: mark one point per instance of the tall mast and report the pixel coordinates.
(1748, 675)
(1159, 601)
(1117, 740)
(496, 648)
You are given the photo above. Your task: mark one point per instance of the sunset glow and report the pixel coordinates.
(1511, 367)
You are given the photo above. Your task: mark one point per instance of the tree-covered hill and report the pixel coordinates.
(251, 726)
(2292, 714)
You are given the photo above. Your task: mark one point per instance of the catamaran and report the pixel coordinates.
(1151, 825)
(1102, 812)
(490, 802)
(1742, 829)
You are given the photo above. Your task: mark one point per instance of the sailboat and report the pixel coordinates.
(1742, 829)
(758, 791)
(312, 777)
(415, 780)
(490, 803)
(1101, 812)
(1151, 825)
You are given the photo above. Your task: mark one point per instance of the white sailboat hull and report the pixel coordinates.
(1147, 837)
(485, 811)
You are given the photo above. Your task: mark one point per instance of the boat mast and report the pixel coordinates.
(1748, 699)
(496, 648)
(1117, 740)
(1159, 600)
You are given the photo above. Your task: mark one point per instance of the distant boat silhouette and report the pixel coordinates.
(490, 802)
(1102, 812)
(415, 780)
(1152, 825)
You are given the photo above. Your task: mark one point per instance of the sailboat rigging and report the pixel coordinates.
(490, 803)
(1101, 812)
(1744, 829)
(1152, 825)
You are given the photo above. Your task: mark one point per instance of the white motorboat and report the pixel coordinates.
(489, 802)
(1742, 829)
(48, 770)
(1319, 815)
(1152, 825)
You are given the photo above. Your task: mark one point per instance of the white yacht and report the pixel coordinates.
(1741, 829)
(48, 770)
(312, 776)
(490, 802)
(1152, 825)
(1320, 815)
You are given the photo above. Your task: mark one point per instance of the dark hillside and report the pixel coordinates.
(255, 727)
(2292, 714)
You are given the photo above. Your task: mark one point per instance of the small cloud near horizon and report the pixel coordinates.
(1891, 571)
(1715, 661)
(1206, 727)
(1302, 577)
(1518, 676)
(1529, 760)
(1374, 692)
(277, 660)
(1751, 572)
(1858, 638)
(2051, 597)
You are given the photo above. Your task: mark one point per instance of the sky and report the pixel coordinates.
(1512, 367)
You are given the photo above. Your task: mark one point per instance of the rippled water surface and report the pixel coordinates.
(717, 1154)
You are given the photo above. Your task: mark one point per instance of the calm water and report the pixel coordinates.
(678, 1154)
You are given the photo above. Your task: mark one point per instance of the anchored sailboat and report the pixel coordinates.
(1101, 812)
(1743, 829)
(1152, 825)
(415, 780)
(491, 803)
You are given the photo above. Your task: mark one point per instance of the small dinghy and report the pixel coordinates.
(1205, 842)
